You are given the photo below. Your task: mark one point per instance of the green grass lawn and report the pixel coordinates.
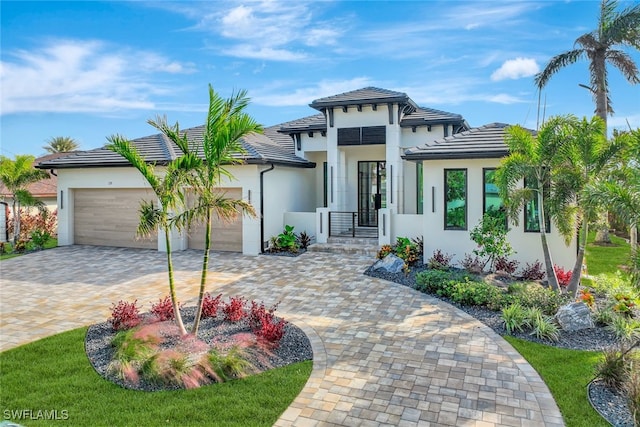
(55, 374)
(566, 373)
(606, 259)
(52, 243)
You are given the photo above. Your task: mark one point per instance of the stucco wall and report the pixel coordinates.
(421, 136)
(458, 242)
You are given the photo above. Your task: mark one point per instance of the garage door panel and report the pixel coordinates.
(225, 236)
(110, 217)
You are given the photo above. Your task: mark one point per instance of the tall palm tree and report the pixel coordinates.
(601, 47)
(585, 156)
(16, 175)
(61, 144)
(168, 190)
(532, 158)
(227, 123)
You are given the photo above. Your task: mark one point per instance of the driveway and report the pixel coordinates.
(384, 354)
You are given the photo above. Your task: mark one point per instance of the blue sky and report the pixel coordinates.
(88, 69)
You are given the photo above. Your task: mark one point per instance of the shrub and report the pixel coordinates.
(564, 276)
(543, 326)
(125, 315)
(384, 251)
(30, 221)
(286, 241)
(625, 329)
(163, 309)
(491, 237)
(429, 281)
(265, 325)
(533, 271)
(173, 368)
(229, 365)
(210, 305)
(611, 369)
(304, 240)
(605, 316)
(503, 264)
(407, 251)
(132, 348)
(439, 261)
(472, 264)
(587, 297)
(234, 309)
(475, 293)
(624, 304)
(535, 295)
(631, 388)
(514, 318)
(40, 238)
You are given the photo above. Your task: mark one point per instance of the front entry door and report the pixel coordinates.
(372, 192)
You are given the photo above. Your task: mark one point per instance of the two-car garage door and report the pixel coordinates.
(110, 217)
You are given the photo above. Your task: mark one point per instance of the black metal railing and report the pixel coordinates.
(348, 224)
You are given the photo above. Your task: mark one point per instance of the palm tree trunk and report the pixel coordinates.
(172, 288)
(16, 221)
(203, 276)
(548, 262)
(576, 273)
(633, 237)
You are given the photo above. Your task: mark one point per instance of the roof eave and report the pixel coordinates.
(326, 104)
(455, 155)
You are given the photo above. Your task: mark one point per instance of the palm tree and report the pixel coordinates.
(532, 159)
(602, 46)
(61, 144)
(168, 189)
(585, 156)
(226, 124)
(16, 175)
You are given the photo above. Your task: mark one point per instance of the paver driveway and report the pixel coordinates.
(383, 354)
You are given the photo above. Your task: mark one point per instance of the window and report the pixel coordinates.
(455, 199)
(531, 213)
(419, 188)
(362, 135)
(491, 201)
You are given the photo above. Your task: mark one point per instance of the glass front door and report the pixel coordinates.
(372, 192)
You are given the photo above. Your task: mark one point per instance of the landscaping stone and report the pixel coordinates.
(574, 317)
(390, 263)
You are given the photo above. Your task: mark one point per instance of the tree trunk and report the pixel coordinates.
(172, 288)
(203, 275)
(16, 221)
(602, 228)
(633, 237)
(576, 273)
(548, 262)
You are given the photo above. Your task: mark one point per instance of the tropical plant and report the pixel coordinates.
(514, 318)
(532, 158)
(61, 144)
(168, 189)
(16, 175)
(491, 237)
(586, 155)
(600, 47)
(226, 124)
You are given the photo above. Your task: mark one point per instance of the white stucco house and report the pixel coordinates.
(370, 163)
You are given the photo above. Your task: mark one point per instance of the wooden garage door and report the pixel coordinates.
(224, 236)
(109, 217)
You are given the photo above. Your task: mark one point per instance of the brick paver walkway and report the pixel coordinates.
(383, 354)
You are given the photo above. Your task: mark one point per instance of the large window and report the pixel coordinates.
(491, 201)
(455, 198)
(532, 213)
(419, 188)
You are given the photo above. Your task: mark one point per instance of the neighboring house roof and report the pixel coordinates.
(266, 148)
(45, 188)
(367, 95)
(484, 142)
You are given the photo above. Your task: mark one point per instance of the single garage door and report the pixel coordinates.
(224, 236)
(110, 217)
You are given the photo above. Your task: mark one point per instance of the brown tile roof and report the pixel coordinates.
(42, 188)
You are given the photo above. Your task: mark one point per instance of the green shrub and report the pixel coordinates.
(544, 327)
(230, 364)
(631, 388)
(514, 318)
(611, 369)
(476, 293)
(625, 329)
(604, 316)
(535, 295)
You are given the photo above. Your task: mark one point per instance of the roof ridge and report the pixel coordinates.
(168, 145)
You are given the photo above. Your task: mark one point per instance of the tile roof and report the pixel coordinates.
(365, 95)
(478, 143)
(270, 147)
(422, 116)
(309, 123)
(42, 188)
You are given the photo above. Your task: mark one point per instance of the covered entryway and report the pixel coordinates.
(224, 236)
(110, 217)
(372, 191)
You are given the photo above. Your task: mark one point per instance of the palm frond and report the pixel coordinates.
(555, 64)
(122, 146)
(151, 218)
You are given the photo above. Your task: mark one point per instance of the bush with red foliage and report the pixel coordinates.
(503, 264)
(564, 277)
(125, 315)
(210, 305)
(163, 309)
(264, 325)
(234, 310)
(533, 271)
(31, 221)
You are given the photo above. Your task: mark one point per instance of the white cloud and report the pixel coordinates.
(503, 98)
(265, 53)
(516, 69)
(283, 96)
(81, 76)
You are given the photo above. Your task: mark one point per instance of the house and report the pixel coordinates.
(371, 163)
